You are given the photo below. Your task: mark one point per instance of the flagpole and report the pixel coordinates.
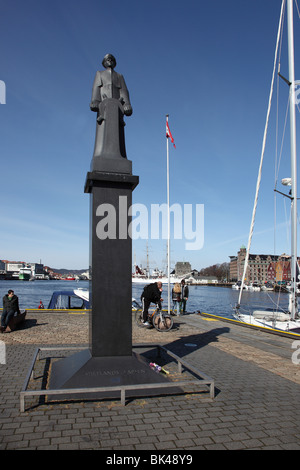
(168, 205)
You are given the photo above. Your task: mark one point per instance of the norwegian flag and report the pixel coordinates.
(168, 134)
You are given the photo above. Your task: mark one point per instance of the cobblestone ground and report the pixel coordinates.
(256, 384)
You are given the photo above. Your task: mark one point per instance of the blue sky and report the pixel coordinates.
(206, 64)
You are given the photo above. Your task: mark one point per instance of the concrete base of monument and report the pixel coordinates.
(81, 376)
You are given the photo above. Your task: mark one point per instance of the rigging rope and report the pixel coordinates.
(297, 8)
(262, 155)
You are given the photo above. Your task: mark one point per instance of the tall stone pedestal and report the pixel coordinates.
(111, 260)
(109, 361)
(109, 365)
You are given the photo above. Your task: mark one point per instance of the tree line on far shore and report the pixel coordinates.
(220, 271)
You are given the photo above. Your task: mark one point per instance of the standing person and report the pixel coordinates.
(176, 297)
(184, 295)
(10, 306)
(151, 293)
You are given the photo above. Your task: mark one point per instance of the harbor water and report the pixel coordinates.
(208, 299)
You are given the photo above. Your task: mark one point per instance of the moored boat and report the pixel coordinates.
(75, 299)
(24, 274)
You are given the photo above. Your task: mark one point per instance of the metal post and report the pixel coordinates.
(168, 204)
(293, 158)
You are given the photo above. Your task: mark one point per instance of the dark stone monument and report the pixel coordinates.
(110, 184)
(110, 360)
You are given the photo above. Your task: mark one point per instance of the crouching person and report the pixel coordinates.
(151, 293)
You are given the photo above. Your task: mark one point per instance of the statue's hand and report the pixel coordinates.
(127, 110)
(94, 106)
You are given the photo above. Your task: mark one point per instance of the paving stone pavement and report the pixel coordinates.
(256, 404)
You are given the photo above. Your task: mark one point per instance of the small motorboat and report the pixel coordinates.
(76, 299)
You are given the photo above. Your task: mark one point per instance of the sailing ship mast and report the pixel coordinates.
(261, 159)
(293, 307)
(293, 304)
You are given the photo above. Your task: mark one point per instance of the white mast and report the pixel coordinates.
(293, 158)
(261, 158)
(168, 205)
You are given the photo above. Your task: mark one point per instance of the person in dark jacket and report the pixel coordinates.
(184, 295)
(151, 293)
(10, 306)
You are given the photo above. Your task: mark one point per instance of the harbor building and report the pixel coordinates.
(261, 268)
(182, 268)
(12, 268)
(21, 270)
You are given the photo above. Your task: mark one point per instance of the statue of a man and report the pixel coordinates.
(109, 84)
(110, 99)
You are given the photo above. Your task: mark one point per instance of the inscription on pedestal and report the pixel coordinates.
(112, 373)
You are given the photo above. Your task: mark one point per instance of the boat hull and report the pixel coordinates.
(24, 277)
(276, 321)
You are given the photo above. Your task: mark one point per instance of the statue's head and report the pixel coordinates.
(109, 61)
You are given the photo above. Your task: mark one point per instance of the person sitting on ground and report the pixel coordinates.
(10, 307)
(151, 293)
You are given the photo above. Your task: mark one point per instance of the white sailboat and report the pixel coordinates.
(280, 320)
